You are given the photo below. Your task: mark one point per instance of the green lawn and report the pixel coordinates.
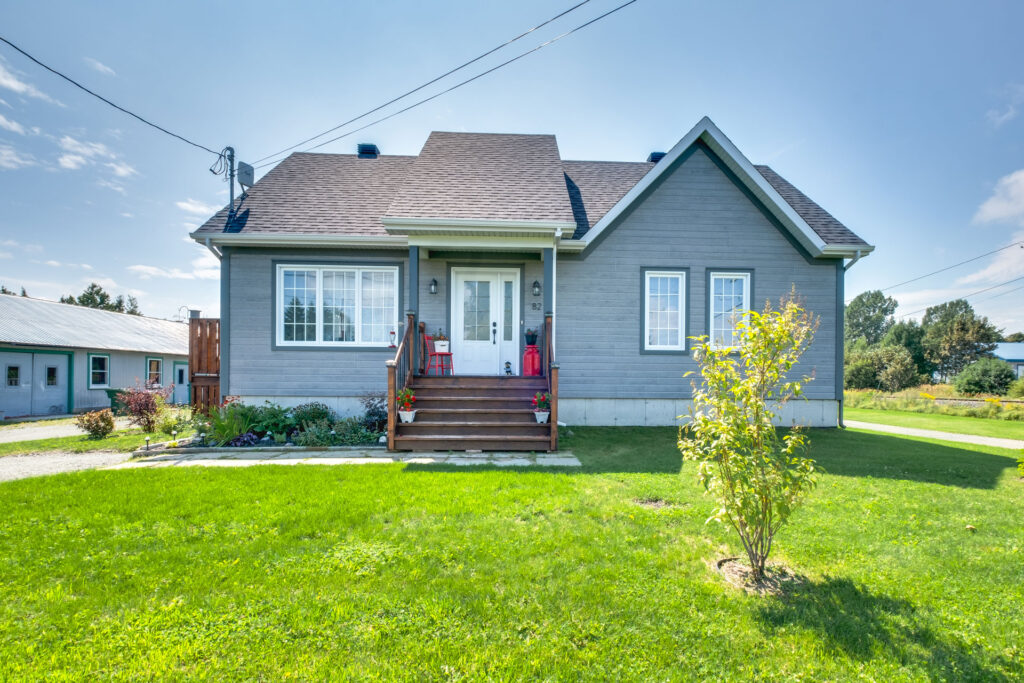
(979, 426)
(122, 440)
(425, 572)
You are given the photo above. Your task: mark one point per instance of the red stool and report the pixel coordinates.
(438, 359)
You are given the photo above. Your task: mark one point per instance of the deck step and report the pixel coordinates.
(480, 428)
(470, 442)
(538, 383)
(459, 415)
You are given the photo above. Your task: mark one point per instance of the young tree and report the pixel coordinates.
(910, 335)
(955, 336)
(869, 315)
(756, 477)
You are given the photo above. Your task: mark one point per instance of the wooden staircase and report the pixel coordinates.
(475, 413)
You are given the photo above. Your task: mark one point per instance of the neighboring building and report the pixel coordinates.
(60, 358)
(484, 234)
(1012, 353)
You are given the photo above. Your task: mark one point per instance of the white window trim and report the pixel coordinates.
(745, 276)
(320, 270)
(89, 371)
(681, 276)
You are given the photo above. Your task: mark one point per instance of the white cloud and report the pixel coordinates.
(110, 185)
(998, 117)
(12, 159)
(11, 82)
(205, 267)
(58, 264)
(1013, 96)
(1006, 265)
(86, 149)
(71, 162)
(100, 66)
(6, 254)
(121, 169)
(127, 215)
(197, 207)
(1006, 202)
(10, 125)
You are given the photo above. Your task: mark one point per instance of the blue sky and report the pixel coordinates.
(905, 120)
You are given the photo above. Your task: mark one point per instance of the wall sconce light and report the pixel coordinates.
(433, 286)
(536, 288)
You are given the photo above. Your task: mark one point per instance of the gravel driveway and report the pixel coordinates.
(39, 464)
(31, 432)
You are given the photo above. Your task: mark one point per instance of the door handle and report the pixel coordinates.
(494, 333)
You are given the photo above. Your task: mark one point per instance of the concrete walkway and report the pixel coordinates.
(204, 458)
(26, 431)
(1012, 444)
(41, 464)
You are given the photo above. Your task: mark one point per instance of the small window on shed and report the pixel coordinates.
(51, 375)
(13, 375)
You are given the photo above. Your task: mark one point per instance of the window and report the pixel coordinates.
(336, 305)
(51, 375)
(99, 372)
(665, 310)
(730, 301)
(181, 375)
(13, 375)
(154, 371)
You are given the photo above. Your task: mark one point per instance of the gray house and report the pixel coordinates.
(59, 358)
(487, 236)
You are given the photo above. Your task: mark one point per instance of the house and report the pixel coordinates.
(487, 235)
(1012, 353)
(60, 358)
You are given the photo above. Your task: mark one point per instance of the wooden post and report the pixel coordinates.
(547, 343)
(392, 393)
(410, 324)
(421, 345)
(554, 406)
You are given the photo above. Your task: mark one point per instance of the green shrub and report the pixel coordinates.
(173, 421)
(891, 368)
(375, 412)
(271, 418)
(317, 433)
(1016, 389)
(228, 422)
(349, 431)
(312, 412)
(860, 372)
(97, 424)
(985, 376)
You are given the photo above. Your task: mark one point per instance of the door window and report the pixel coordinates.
(13, 375)
(51, 375)
(476, 311)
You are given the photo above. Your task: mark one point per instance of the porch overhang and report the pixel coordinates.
(471, 233)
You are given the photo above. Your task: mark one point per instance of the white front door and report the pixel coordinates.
(485, 321)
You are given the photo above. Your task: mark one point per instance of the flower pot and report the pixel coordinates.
(541, 415)
(441, 346)
(407, 415)
(531, 340)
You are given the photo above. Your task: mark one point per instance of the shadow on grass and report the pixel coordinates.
(852, 621)
(861, 454)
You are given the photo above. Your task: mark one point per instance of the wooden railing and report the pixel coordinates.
(550, 369)
(400, 372)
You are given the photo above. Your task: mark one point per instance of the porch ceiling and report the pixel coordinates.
(478, 234)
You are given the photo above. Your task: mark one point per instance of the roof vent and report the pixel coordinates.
(655, 157)
(367, 151)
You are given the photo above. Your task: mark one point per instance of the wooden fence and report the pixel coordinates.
(204, 363)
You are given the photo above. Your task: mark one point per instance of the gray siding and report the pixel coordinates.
(696, 219)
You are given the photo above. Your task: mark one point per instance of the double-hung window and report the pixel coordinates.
(99, 371)
(664, 310)
(728, 305)
(154, 371)
(336, 305)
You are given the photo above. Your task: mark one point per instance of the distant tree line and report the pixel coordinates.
(884, 354)
(93, 296)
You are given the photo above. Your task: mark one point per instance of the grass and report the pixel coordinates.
(122, 440)
(979, 426)
(425, 572)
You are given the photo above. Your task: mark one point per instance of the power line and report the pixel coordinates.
(942, 270)
(430, 82)
(468, 80)
(104, 99)
(995, 296)
(967, 296)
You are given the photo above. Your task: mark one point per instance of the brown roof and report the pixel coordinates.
(458, 175)
(486, 176)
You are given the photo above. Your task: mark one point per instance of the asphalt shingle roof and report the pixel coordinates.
(37, 322)
(486, 176)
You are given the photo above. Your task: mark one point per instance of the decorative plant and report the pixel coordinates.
(756, 476)
(311, 412)
(542, 402)
(97, 424)
(405, 399)
(145, 406)
(440, 336)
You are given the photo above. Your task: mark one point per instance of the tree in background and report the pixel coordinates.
(1015, 337)
(985, 376)
(4, 290)
(955, 336)
(890, 368)
(756, 476)
(95, 296)
(910, 335)
(869, 315)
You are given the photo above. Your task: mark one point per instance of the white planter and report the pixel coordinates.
(441, 346)
(541, 415)
(407, 415)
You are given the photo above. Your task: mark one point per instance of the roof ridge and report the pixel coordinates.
(135, 316)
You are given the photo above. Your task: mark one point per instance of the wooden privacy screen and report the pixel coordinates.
(204, 363)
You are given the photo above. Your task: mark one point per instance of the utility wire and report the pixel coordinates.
(943, 270)
(104, 99)
(967, 296)
(430, 82)
(468, 80)
(994, 296)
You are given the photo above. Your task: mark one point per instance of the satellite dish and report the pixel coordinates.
(246, 175)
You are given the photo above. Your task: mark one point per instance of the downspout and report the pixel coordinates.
(855, 258)
(214, 250)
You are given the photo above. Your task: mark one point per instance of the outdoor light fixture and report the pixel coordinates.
(536, 288)
(147, 443)
(433, 286)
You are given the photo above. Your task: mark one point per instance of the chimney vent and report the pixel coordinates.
(655, 157)
(193, 312)
(366, 150)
